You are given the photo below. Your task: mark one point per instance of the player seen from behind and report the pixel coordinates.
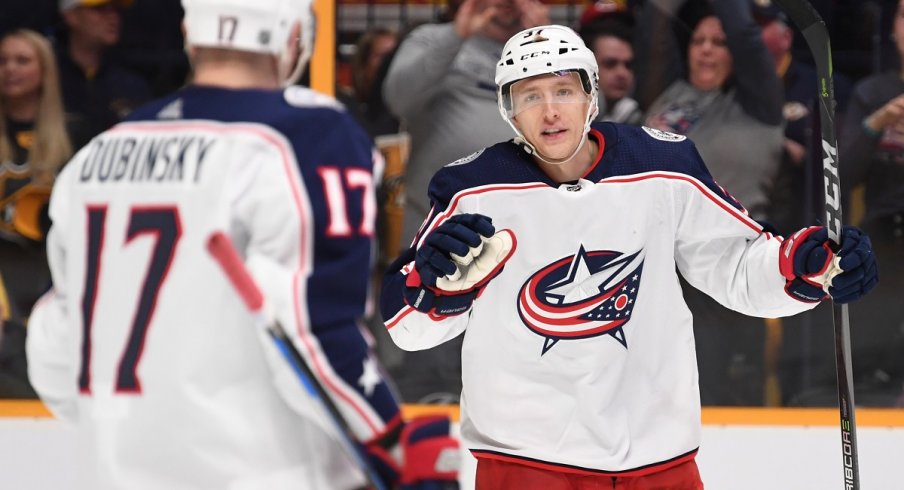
(555, 255)
(144, 343)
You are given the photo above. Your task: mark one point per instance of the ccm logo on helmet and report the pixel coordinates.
(535, 54)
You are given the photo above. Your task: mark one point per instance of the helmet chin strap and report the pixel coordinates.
(530, 149)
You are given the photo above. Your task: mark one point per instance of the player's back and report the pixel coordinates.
(172, 373)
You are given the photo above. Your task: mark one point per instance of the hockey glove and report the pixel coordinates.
(811, 269)
(455, 261)
(424, 456)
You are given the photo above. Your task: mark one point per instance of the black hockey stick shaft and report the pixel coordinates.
(814, 30)
(221, 249)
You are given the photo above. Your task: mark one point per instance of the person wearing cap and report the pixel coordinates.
(98, 91)
(556, 256)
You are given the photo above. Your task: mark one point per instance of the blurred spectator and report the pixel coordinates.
(728, 99)
(33, 146)
(872, 154)
(441, 84)
(97, 92)
(608, 34)
(365, 99)
(794, 202)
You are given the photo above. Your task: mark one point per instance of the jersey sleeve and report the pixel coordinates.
(291, 256)
(409, 328)
(726, 254)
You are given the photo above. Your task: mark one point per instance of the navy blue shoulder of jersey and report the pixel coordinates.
(629, 150)
(317, 126)
(502, 163)
(632, 150)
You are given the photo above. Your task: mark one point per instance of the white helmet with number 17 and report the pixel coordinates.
(545, 50)
(256, 26)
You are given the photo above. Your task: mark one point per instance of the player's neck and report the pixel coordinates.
(234, 76)
(576, 167)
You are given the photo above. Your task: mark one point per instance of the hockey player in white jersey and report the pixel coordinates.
(555, 255)
(145, 344)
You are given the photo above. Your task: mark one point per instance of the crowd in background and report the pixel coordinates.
(733, 75)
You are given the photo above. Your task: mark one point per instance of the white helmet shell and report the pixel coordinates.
(540, 51)
(257, 26)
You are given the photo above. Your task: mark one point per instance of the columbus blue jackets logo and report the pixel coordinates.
(587, 294)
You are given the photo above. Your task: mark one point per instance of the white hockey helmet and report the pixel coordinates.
(256, 26)
(545, 50)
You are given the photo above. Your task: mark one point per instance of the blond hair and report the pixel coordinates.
(51, 147)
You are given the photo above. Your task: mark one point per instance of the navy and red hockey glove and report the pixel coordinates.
(455, 261)
(422, 456)
(813, 272)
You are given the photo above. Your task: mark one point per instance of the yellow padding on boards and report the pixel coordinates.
(815, 417)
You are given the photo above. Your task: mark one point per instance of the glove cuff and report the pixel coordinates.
(789, 249)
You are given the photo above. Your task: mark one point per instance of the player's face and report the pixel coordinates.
(550, 111)
(615, 59)
(20, 69)
(708, 57)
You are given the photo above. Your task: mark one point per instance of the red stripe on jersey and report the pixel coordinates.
(696, 183)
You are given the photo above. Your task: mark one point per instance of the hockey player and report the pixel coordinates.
(143, 341)
(555, 254)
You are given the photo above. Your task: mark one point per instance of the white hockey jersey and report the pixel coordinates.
(579, 356)
(143, 341)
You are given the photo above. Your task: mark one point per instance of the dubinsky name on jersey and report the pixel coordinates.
(585, 330)
(150, 330)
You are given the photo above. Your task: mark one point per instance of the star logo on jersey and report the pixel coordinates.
(588, 294)
(370, 376)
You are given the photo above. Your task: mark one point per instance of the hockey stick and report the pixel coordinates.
(814, 30)
(221, 249)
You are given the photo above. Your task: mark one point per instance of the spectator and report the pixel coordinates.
(872, 154)
(97, 92)
(440, 83)
(731, 98)
(33, 146)
(365, 99)
(611, 40)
